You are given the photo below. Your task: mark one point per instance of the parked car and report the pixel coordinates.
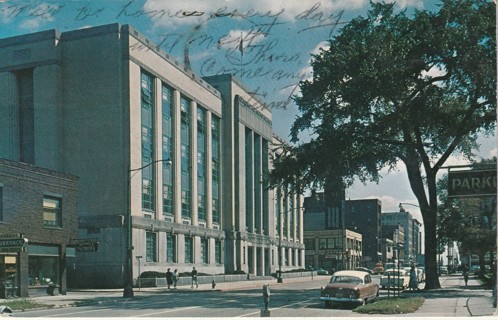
(421, 270)
(349, 286)
(417, 270)
(321, 271)
(378, 269)
(443, 270)
(364, 270)
(394, 279)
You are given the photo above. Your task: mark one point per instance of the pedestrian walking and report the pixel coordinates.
(266, 295)
(194, 278)
(169, 278)
(466, 276)
(175, 278)
(413, 279)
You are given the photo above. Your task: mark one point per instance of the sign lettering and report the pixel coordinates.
(472, 183)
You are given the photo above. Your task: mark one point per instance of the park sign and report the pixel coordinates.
(472, 183)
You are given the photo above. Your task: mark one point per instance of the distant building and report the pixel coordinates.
(363, 216)
(338, 249)
(411, 230)
(392, 236)
(358, 216)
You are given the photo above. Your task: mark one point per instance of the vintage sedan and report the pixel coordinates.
(349, 286)
(395, 279)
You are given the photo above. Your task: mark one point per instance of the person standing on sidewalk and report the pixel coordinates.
(466, 275)
(413, 284)
(194, 278)
(175, 278)
(266, 295)
(169, 278)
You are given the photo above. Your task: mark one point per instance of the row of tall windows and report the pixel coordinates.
(185, 155)
(215, 167)
(147, 115)
(257, 196)
(285, 210)
(201, 163)
(167, 149)
(266, 195)
(171, 253)
(249, 179)
(257, 181)
(147, 153)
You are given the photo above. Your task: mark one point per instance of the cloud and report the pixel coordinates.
(419, 4)
(493, 153)
(232, 39)
(31, 24)
(168, 13)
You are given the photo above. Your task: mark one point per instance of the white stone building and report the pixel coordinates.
(183, 156)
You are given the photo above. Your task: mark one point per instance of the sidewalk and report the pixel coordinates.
(452, 300)
(456, 300)
(83, 296)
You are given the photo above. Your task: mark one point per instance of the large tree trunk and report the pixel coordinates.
(429, 214)
(431, 274)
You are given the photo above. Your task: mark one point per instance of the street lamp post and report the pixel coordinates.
(128, 275)
(279, 277)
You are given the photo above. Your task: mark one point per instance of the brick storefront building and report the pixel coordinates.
(38, 224)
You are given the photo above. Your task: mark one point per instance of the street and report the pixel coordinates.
(298, 299)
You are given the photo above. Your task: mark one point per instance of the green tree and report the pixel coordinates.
(470, 221)
(397, 87)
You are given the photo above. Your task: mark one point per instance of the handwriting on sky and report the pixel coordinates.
(256, 53)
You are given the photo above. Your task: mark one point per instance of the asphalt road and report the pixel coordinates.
(287, 300)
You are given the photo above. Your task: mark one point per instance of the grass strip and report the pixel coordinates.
(24, 304)
(392, 306)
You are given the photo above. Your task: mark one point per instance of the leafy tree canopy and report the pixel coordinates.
(397, 86)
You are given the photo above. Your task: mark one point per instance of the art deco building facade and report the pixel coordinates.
(178, 158)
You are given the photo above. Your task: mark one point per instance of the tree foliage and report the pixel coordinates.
(397, 86)
(469, 221)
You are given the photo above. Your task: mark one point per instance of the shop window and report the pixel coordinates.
(43, 270)
(52, 212)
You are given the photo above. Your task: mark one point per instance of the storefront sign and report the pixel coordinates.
(12, 245)
(87, 246)
(472, 183)
(11, 236)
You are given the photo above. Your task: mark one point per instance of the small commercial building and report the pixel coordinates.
(38, 226)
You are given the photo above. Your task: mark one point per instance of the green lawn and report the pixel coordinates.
(23, 304)
(392, 306)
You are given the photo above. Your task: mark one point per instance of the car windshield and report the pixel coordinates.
(346, 279)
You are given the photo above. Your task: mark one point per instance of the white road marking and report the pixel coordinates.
(166, 311)
(287, 305)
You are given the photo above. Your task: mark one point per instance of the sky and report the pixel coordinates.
(266, 44)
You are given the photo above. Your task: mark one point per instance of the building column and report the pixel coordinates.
(209, 173)
(158, 147)
(193, 165)
(176, 158)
